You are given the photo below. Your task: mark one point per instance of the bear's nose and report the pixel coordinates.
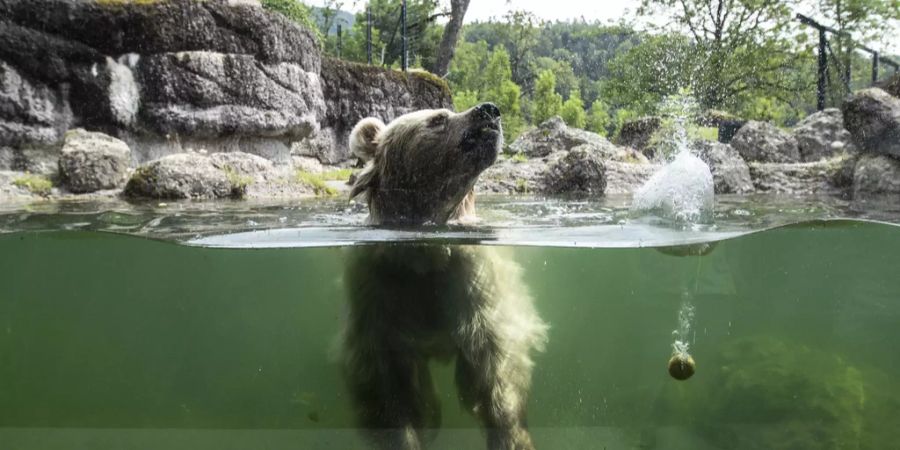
(489, 109)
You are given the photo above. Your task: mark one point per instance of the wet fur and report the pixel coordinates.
(411, 303)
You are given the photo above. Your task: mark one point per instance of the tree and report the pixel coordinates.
(295, 11)
(572, 110)
(547, 102)
(502, 91)
(740, 45)
(598, 118)
(450, 36)
(641, 76)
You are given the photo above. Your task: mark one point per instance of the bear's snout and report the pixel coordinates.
(489, 111)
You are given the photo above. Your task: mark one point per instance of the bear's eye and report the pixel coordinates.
(438, 121)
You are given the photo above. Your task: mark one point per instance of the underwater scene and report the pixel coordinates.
(218, 326)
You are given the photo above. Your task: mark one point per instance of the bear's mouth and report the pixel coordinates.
(491, 126)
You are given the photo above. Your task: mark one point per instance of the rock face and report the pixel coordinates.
(876, 175)
(580, 171)
(891, 85)
(178, 75)
(873, 118)
(93, 161)
(730, 173)
(822, 135)
(763, 142)
(637, 133)
(356, 91)
(554, 135)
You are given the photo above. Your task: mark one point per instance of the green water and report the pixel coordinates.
(118, 342)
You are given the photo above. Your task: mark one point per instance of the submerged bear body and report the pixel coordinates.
(413, 303)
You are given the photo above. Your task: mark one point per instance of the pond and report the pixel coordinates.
(217, 325)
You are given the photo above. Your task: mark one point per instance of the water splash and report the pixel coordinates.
(683, 189)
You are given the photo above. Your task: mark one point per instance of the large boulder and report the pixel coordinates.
(822, 135)
(637, 133)
(876, 175)
(827, 176)
(580, 171)
(891, 85)
(763, 142)
(93, 161)
(873, 118)
(730, 172)
(554, 135)
(183, 176)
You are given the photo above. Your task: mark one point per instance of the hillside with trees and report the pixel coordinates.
(749, 58)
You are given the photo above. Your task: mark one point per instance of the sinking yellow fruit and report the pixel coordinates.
(681, 366)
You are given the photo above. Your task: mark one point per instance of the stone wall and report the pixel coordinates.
(174, 75)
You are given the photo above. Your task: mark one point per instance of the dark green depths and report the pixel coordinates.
(110, 342)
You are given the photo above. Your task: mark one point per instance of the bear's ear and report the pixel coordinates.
(363, 138)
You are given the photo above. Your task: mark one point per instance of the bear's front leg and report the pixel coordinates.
(393, 397)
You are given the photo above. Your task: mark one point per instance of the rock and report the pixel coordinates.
(182, 176)
(93, 161)
(638, 133)
(876, 175)
(872, 117)
(730, 173)
(763, 142)
(891, 85)
(356, 91)
(580, 171)
(40, 161)
(554, 135)
(821, 177)
(211, 95)
(626, 178)
(821, 135)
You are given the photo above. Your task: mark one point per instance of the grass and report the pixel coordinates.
(317, 182)
(336, 175)
(36, 184)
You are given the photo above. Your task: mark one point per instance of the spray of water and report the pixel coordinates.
(683, 189)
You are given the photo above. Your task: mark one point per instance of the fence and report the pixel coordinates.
(824, 49)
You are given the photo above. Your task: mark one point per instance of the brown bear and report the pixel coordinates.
(411, 303)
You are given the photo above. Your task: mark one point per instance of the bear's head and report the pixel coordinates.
(422, 167)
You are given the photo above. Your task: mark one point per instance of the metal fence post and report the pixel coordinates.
(368, 34)
(823, 71)
(405, 62)
(874, 67)
(340, 40)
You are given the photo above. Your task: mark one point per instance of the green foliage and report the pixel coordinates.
(296, 11)
(423, 34)
(464, 100)
(547, 103)
(598, 119)
(572, 110)
(36, 184)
